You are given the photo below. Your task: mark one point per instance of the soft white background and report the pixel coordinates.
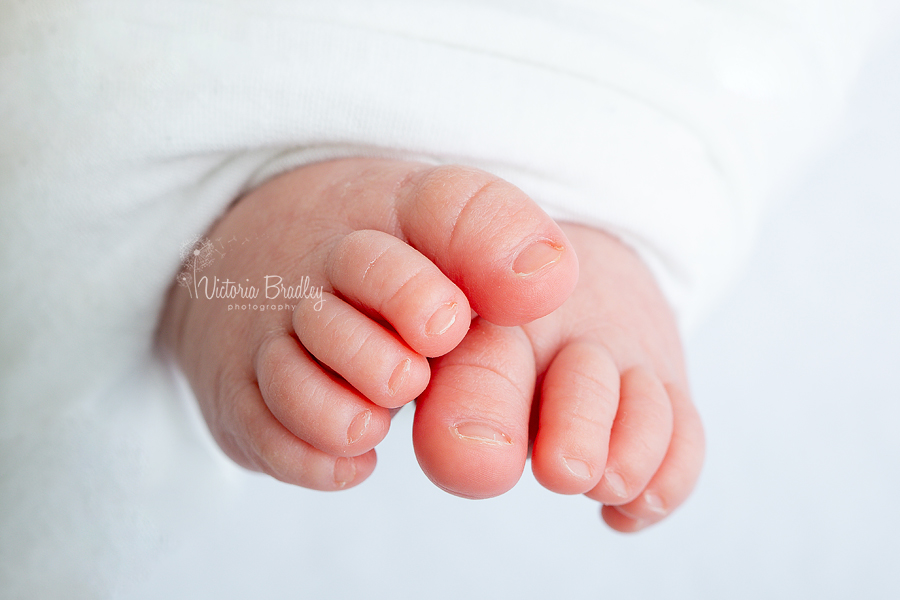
(797, 375)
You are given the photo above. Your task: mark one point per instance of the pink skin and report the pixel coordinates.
(405, 252)
(610, 418)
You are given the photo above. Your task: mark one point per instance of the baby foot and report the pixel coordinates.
(599, 386)
(388, 259)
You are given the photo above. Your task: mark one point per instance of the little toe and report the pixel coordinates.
(675, 478)
(511, 260)
(383, 274)
(250, 435)
(471, 425)
(268, 447)
(368, 356)
(621, 522)
(313, 405)
(639, 440)
(579, 398)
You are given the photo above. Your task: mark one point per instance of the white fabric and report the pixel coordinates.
(126, 128)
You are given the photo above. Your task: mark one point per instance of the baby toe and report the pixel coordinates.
(677, 475)
(511, 260)
(250, 435)
(471, 425)
(384, 275)
(368, 356)
(639, 440)
(313, 405)
(275, 451)
(579, 398)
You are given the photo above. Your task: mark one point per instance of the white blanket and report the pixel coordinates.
(126, 128)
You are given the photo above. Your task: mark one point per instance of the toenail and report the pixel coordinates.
(344, 471)
(641, 524)
(442, 319)
(616, 484)
(398, 376)
(481, 432)
(654, 503)
(358, 426)
(537, 256)
(578, 468)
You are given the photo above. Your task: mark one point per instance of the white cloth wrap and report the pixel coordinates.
(126, 128)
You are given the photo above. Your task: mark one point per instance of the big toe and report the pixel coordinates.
(510, 258)
(471, 425)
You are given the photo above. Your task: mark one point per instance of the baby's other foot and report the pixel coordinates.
(385, 261)
(610, 418)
